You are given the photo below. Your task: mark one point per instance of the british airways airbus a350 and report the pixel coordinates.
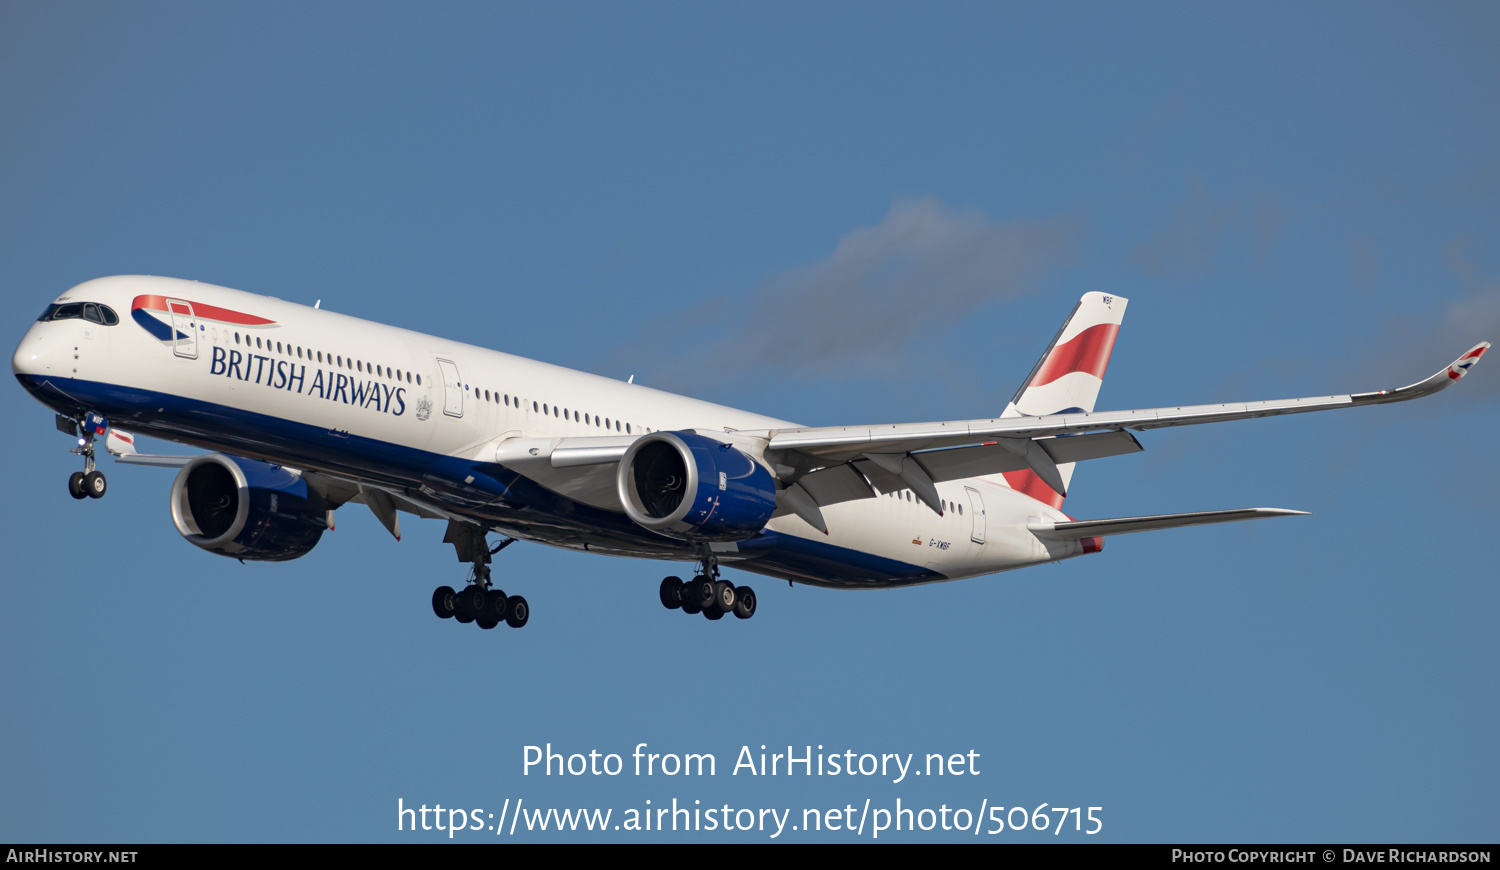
(309, 410)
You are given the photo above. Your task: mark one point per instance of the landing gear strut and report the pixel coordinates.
(707, 594)
(88, 483)
(479, 602)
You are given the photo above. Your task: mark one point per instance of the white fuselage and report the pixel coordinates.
(321, 391)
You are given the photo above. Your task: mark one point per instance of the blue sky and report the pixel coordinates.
(833, 213)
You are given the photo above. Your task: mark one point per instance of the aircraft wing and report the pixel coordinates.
(821, 466)
(844, 443)
(383, 502)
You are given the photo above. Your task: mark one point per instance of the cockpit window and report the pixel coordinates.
(91, 311)
(65, 311)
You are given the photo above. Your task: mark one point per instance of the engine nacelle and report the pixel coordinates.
(246, 509)
(693, 488)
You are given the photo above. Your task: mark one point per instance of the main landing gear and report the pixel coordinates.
(707, 594)
(479, 602)
(90, 482)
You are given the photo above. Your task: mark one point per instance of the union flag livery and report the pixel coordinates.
(169, 319)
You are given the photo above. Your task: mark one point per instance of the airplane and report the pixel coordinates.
(307, 410)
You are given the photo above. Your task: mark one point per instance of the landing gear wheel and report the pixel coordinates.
(75, 485)
(442, 602)
(744, 602)
(470, 603)
(724, 596)
(689, 604)
(94, 484)
(519, 613)
(713, 613)
(671, 593)
(486, 620)
(700, 592)
(496, 606)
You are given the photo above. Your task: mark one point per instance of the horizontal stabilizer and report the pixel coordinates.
(1126, 525)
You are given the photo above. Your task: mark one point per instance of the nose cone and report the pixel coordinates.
(35, 354)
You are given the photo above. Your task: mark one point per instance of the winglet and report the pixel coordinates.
(121, 445)
(1440, 381)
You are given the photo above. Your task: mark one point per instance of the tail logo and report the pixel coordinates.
(1461, 368)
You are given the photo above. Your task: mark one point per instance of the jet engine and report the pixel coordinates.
(693, 488)
(246, 509)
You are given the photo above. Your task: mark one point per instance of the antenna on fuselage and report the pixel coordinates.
(630, 380)
(316, 304)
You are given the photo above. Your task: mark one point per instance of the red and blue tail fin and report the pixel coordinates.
(1067, 378)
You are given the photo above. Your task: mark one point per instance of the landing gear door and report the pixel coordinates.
(976, 510)
(184, 329)
(453, 389)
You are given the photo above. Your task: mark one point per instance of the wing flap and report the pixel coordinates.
(865, 478)
(836, 483)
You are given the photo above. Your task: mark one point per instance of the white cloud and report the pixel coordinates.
(914, 274)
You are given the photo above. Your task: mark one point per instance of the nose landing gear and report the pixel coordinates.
(88, 483)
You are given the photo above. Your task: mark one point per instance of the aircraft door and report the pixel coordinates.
(976, 510)
(453, 389)
(184, 329)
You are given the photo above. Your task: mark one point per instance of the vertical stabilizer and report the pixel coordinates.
(1067, 377)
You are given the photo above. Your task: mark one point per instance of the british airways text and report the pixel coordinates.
(280, 374)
